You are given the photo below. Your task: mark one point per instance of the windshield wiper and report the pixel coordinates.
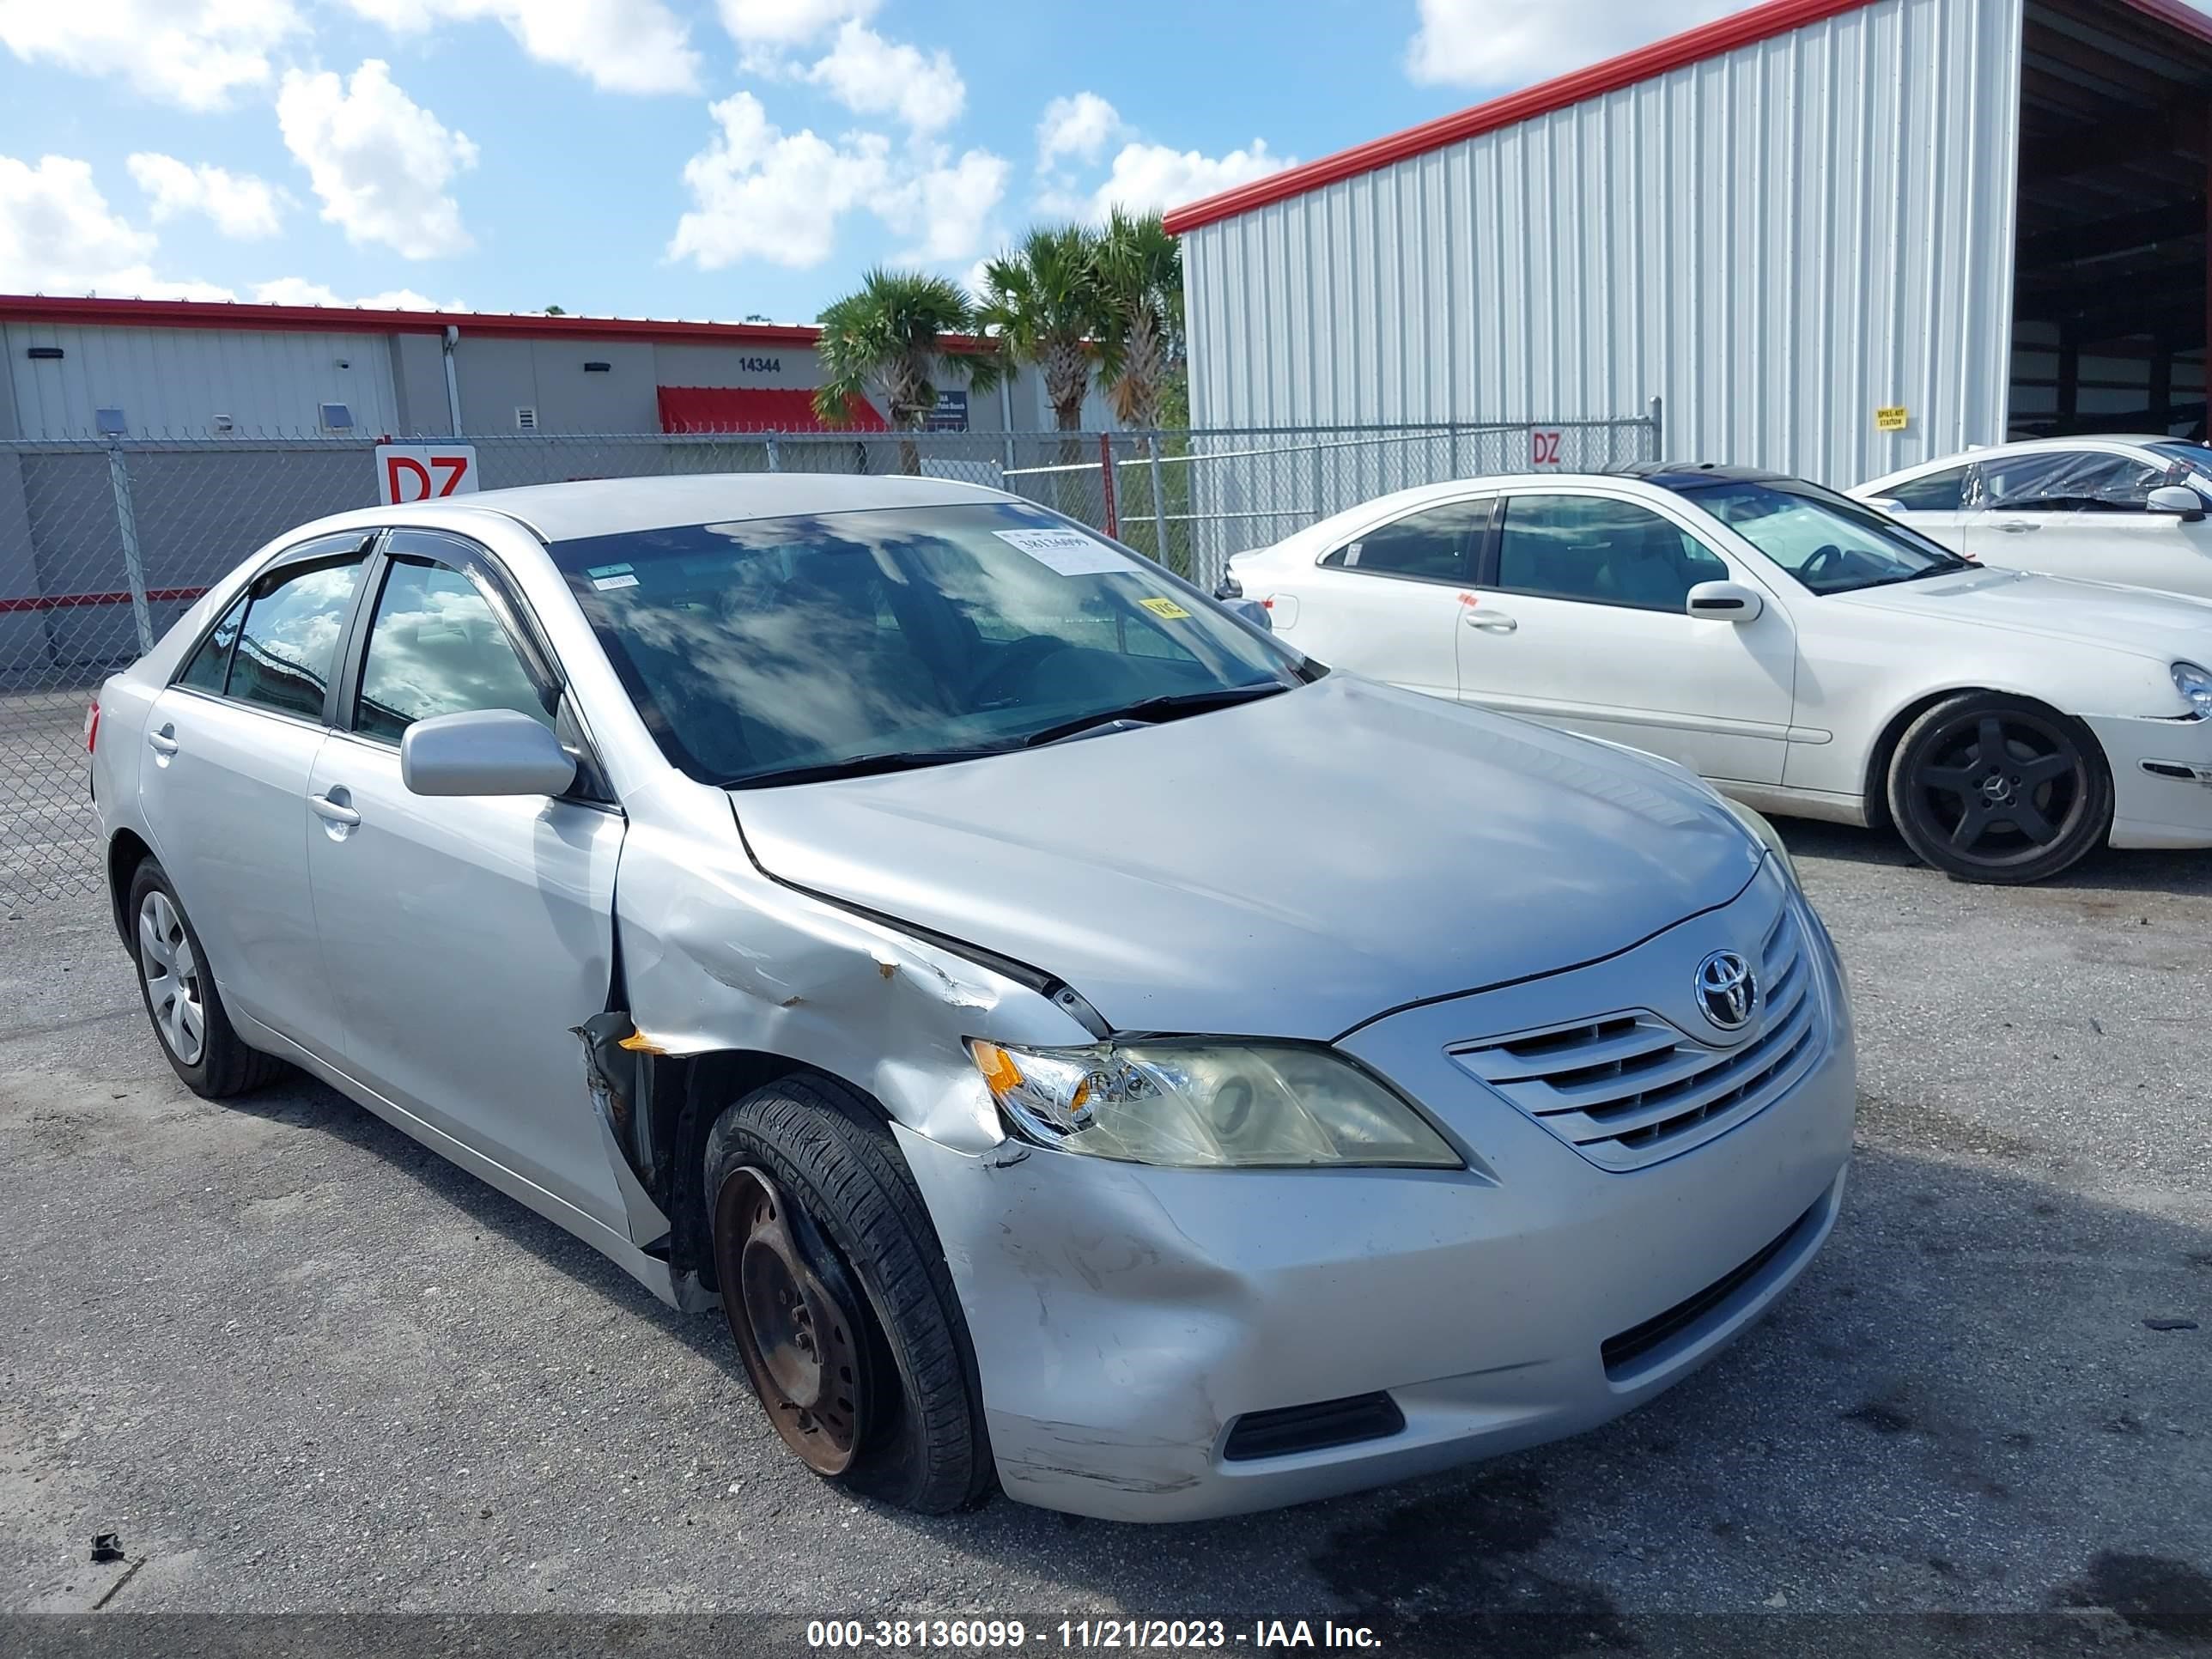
(859, 766)
(1154, 710)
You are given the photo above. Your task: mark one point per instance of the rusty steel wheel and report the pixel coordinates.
(795, 1312)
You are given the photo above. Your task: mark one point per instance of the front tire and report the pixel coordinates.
(837, 1294)
(1991, 787)
(179, 988)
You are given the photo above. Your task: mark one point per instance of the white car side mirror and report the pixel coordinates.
(484, 752)
(2178, 499)
(1885, 504)
(1725, 602)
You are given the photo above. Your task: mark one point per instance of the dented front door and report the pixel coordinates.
(466, 938)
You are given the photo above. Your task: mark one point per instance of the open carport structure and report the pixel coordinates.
(1833, 236)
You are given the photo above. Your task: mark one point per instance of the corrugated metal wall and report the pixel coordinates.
(1777, 242)
(174, 382)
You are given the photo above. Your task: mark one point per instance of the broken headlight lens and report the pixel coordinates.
(1208, 1105)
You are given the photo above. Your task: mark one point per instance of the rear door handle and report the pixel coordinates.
(2019, 527)
(1490, 622)
(161, 742)
(333, 812)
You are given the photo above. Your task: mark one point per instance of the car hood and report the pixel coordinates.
(2135, 619)
(1287, 867)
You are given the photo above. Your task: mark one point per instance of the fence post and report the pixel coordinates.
(126, 525)
(1159, 504)
(1112, 526)
(774, 460)
(1658, 428)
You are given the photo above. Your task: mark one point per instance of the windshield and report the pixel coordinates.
(1830, 542)
(762, 651)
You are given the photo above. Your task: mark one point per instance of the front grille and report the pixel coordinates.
(1621, 1352)
(1326, 1422)
(1626, 1089)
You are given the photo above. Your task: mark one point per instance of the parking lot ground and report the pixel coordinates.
(300, 1363)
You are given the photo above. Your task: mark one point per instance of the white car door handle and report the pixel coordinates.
(333, 812)
(160, 742)
(2019, 527)
(1490, 622)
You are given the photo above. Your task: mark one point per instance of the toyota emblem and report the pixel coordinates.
(1726, 990)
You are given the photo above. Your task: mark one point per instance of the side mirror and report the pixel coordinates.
(1725, 602)
(1255, 611)
(485, 751)
(2178, 499)
(1886, 504)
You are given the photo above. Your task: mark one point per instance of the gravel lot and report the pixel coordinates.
(300, 1363)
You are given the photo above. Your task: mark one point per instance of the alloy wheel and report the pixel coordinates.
(1999, 789)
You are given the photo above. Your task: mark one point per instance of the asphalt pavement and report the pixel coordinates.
(299, 1364)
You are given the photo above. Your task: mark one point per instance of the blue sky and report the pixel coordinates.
(684, 158)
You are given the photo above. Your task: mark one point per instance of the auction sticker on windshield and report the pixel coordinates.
(1070, 552)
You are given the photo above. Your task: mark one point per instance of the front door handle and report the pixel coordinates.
(333, 812)
(2019, 527)
(1490, 622)
(163, 742)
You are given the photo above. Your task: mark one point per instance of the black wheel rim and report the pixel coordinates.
(793, 1313)
(1999, 789)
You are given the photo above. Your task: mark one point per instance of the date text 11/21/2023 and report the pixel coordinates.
(1008, 1635)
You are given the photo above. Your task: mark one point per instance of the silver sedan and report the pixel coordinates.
(1079, 1043)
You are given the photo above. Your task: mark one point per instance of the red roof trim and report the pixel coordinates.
(203, 313)
(2187, 18)
(1693, 45)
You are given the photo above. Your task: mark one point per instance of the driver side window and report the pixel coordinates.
(1600, 551)
(2067, 481)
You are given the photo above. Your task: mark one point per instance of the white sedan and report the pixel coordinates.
(2108, 509)
(1801, 650)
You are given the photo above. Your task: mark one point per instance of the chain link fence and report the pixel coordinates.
(104, 543)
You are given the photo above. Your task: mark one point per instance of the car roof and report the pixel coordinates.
(1692, 475)
(2022, 447)
(609, 507)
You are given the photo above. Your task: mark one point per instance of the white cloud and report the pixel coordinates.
(191, 52)
(58, 236)
(788, 22)
(948, 202)
(1504, 44)
(871, 75)
(1148, 176)
(1081, 126)
(241, 205)
(299, 291)
(380, 162)
(620, 46)
(760, 193)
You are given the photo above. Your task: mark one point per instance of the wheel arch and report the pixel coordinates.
(1875, 785)
(689, 1093)
(126, 851)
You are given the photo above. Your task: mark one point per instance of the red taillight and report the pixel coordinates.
(92, 726)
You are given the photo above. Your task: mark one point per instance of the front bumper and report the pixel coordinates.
(1124, 1318)
(2161, 780)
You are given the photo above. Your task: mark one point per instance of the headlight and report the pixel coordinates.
(2196, 685)
(1757, 824)
(1207, 1105)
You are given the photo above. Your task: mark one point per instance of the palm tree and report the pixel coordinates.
(1140, 272)
(1044, 304)
(888, 338)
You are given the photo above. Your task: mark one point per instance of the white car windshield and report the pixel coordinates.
(793, 650)
(1831, 543)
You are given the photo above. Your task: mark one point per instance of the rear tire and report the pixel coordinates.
(838, 1297)
(1991, 787)
(178, 989)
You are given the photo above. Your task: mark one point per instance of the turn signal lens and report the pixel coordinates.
(92, 726)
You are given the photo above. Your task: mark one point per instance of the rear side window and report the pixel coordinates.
(1437, 544)
(211, 662)
(1936, 492)
(289, 646)
(436, 648)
